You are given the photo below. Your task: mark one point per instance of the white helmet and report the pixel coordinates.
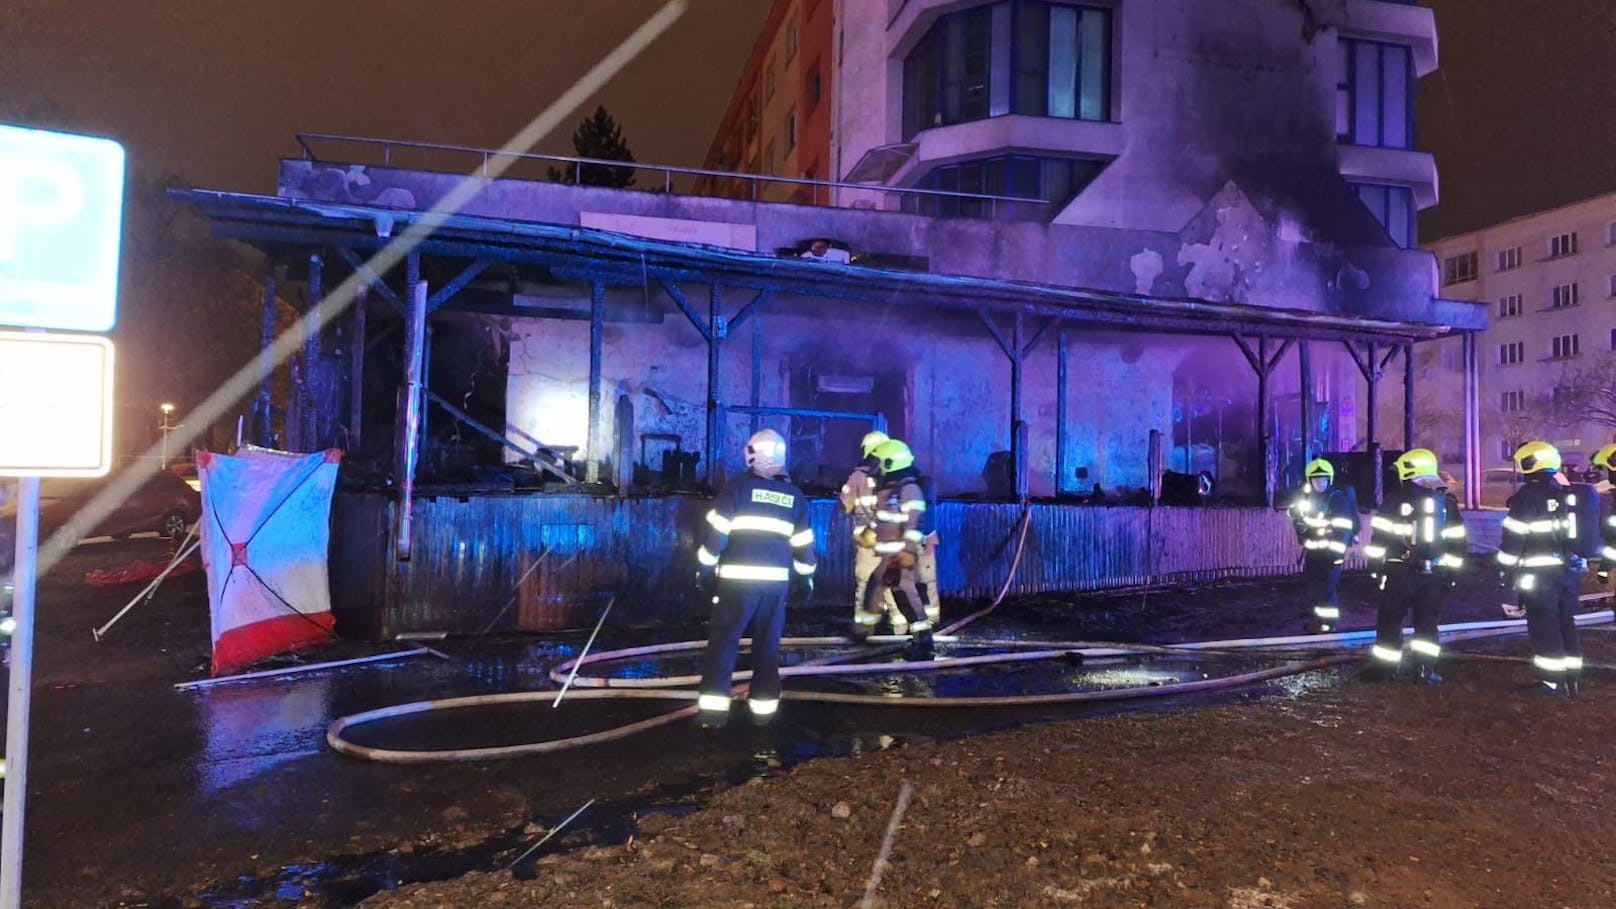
(766, 454)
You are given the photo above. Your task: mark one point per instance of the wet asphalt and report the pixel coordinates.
(141, 795)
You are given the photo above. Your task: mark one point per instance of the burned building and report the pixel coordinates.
(1067, 248)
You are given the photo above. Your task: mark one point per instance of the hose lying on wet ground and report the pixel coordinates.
(675, 688)
(588, 687)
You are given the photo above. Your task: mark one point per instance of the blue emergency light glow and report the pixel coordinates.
(61, 219)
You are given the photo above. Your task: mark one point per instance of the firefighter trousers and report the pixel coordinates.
(757, 609)
(926, 578)
(1406, 589)
(864, 562)
(888, 575)
(1321, 575)
(1551, 623)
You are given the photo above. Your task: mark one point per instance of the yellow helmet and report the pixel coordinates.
(871, 441)
(1537, 457)
(893, 456)
(1606, 457)
(1416, 462)
(1318, 467)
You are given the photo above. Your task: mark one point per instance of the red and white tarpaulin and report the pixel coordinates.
(265, 534)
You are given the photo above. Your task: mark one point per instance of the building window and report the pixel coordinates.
(1613, 287)
(1563, 296)
(1610, 234)
(1509, 306)
(1512, 353)
(791, 129)
(1563, 245)
(769, 158)
(1015, 56)
(812, 87)
(1565, 347)
(1613, 339)
(751, 119)
(1513, 402)
(1050, 180)
(768, 80)
(793, 38)
(1393, 207)
(1374, 96)
(1509, 259)
(1459, 269)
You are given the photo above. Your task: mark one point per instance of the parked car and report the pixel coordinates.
(164, 505)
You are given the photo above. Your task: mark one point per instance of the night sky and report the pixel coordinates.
(1520, 114)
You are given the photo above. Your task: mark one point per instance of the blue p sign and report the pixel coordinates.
(61, 218)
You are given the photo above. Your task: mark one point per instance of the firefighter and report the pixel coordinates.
(1604, 461)
(1416, 549)
(1540, 562)
(898, 508)
(758, 553)
(858, 500)
(1325, 517)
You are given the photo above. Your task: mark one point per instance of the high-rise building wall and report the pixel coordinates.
(1550, 280)
(778, 122)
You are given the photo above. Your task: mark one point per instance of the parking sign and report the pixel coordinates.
(61, 217)
(55, 405)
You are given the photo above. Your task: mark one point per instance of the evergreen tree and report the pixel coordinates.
(598, 136)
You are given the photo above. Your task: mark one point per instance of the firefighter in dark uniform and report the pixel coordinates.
(1539, 560)
(1325, 517)
(900, 503)
(1604, 462)
(759, 552)
(1416, 548)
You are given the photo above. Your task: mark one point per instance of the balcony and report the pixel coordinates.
(1395, 22)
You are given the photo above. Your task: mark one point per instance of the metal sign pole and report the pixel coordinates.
(22, 666)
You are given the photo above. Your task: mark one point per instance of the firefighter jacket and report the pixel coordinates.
(900, 505)
(758, 530)
(1418, 528)
(1540, 534)
(1607, 529)
(1325, 522)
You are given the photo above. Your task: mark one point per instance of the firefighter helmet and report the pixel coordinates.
(1416, 462)
(1537, 457)
(1606, 458)
(766, 454)
(1318, 467)
(871, 441)
(892, 456)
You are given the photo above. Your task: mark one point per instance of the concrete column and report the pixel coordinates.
(1265, 435)
(265, 420)
(1472, 421)
(715, 327)
(597, 308)
(1060, 414)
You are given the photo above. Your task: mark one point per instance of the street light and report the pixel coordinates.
(165, 425)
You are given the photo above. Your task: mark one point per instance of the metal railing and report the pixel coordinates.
(805, 191)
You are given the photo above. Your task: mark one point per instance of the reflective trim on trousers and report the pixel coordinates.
(1327, 612)
(1549, 664)
(803, 568)
(1386, 654)
(1505, 558)
(753, 573)
(763, 706)
(1449, 560)
(867, 618)
(891, 546)
(1573, 664)
(1425, 648)
(713, 702)
(705, 557)
(1526, 582)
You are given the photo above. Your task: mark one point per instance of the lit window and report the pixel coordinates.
(1375, 95)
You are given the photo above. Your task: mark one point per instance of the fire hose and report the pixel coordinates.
(675, 688)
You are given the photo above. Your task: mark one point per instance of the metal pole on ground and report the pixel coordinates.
(17, 707)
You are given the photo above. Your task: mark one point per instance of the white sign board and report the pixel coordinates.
(55, 405)
(61, 217)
